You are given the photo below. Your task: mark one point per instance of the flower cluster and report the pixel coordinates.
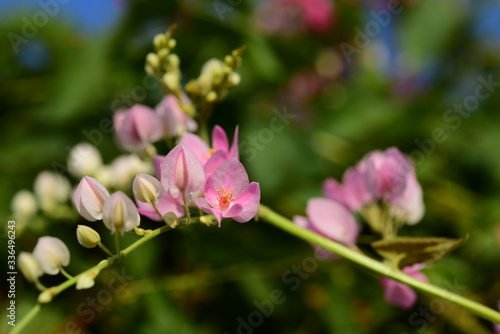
(383, 188)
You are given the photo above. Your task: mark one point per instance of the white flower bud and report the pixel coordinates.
(153, 60)
(120, 213)
(51, 188)
(29, 266)
(45, 297)
(86, 281)
(125, 168)
(24, 204)
(84, 159)
(147, 189)
(51, 253)
(234, 79)
(87, 237)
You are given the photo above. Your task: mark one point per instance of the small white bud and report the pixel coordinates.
(51, 253)
(153, 60)
(24, 204)
(51, 188)
(211, 96)
(29, 266)
(87, 237)
(84, 159)
(120, 213)
(45, 297)
(234, 79)
(147, 189)
(86, 281)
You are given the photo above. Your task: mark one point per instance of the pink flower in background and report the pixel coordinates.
(89, 197)
(331, 220)
(228, 193)
(400, 294)
(220, 151)
(322, 253)
(381, 175)
(288, 17)
(182, 173)
(175, 121)
(137, 127)
(165, 204)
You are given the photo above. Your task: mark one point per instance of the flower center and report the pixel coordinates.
(224, 197)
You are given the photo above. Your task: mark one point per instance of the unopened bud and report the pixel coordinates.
(171, 219)
(234, 79)
(86, 281)
(120, 213)
(174, 60)
(171, 80)
(29, 266)
(87, 237)
(160, 41)
(51, 253)
(24, 204)
(211, 96)
(84, 159)
(172, 43)
(45, 297)
(153, 60)
(147, 189)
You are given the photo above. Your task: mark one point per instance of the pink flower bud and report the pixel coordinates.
(175, 121)
(51, 253)
(400, 294)
(137, 127)
(89, 197)
(332, 220)
(182, 173)
(120, 213)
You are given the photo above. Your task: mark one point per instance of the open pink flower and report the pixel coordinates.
(400, 294)
(182, 173)
(218, 153)
(228, 193)
(332, 220)
(175, 121)
(353, 193)
(137, 127)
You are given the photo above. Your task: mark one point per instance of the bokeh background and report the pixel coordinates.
(354, 81)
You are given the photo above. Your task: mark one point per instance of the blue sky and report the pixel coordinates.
(87, 16)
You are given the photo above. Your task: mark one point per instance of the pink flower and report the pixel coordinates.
(317, 14)
(386, 173)
(137, 127)
(400, 294)
(175, 121)
(332, 220)
(120, 213)
(165, 204)
(353, 193)
(320, 252)
(409, 207)
(89, 197)
(182, 173)
(220, 150)
(228, 193)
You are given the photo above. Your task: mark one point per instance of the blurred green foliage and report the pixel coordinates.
(395, 92)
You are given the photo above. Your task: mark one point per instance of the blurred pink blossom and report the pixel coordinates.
(175, 121)
(400, 294)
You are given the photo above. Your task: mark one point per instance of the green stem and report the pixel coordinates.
(65, 273)
(117, 242)
(376, 266)
(104, 248)
(27, 318)
(54, 291)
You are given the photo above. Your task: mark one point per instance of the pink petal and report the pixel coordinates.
(165, 204)
(410, 205)
(205, 207)
(157, 161)
(332, 220)
(398, 294)
(249, 199)
(219, 139)
(182, 172)
(211, 192)
(196, 145)
(234, 151)
(356, 191)
(231, 175)
(215, 160)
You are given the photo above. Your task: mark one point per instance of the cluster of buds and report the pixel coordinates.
(216, 78)
(163, 64)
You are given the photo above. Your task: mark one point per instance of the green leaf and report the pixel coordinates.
(405, 251)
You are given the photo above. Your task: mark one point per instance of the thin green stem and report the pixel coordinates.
(27, 318)
(375, 266)
(65, 273)
(117, 242)
(186, 208)
(104, 248)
